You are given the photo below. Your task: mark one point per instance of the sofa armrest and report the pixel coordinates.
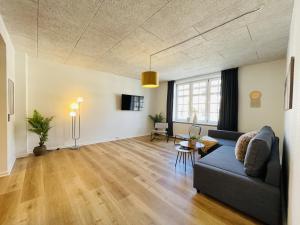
(224, 134)
(249, 195)
(273, 170)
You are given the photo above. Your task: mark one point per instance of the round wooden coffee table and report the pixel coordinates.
(184, 150)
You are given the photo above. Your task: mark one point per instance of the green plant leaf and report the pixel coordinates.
(40, 125)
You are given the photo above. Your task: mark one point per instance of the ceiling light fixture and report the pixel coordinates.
(150, 79)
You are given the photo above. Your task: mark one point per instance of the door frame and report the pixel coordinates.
(3, 109)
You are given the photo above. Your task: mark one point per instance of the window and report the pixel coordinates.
(200, 98)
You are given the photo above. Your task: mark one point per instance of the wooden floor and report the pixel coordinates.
(130, 181)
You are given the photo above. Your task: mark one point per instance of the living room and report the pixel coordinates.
(149, 112)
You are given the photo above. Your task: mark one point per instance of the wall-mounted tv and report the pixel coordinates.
(132, 102)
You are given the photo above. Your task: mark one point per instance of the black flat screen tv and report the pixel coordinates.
(132, 102)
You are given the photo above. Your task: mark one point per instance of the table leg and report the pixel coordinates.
(176, 159)
(191, 156)
(194, 158)
(180, 156)
(184, 162)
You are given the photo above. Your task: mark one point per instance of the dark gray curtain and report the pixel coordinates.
(170, 98)
(228, 119)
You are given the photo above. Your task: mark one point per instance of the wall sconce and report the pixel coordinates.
(76, 123)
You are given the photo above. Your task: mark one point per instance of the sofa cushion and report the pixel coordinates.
(242, 144)
(224, 158)
(209, 143)
(258, 152)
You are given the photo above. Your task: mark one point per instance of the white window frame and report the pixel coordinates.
(190, 82)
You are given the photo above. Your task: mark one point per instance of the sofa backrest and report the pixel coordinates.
(224, 134)
(273, 167)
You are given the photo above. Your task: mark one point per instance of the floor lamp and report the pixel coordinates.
(76, 123)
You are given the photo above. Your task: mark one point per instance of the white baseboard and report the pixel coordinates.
(22, 155)
(4, 174)
(94, 142)
(8, 172)
(52, 148)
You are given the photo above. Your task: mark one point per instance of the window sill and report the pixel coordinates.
(203, 124)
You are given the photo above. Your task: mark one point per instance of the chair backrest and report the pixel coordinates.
(161, 126)
(195, 130)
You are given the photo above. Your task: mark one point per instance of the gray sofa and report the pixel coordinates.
(221, 176)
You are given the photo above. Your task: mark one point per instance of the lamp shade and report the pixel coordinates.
(80, 99)
(150, 79)
(74, 106)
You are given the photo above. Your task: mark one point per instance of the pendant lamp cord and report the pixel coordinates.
(207, 31)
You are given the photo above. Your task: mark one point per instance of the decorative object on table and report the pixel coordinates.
(194, 130)
(255, 99)
(242, 145)
(40, 125)
(76, 122)
(192, 141)
(160, 129)
(157, 118)
(11, 98)
(208, 142)
(184, 150)
(289, 85)
(195, 118)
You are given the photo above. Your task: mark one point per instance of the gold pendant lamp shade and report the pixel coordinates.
(150, 79)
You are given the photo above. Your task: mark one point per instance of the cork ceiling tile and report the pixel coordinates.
(119, 36)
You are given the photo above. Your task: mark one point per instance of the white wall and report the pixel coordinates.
(21, 77)
(292, 124)
(268, 78)
(52, 87)
(8, 154)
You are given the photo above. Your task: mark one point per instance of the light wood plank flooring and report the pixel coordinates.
(124, 182)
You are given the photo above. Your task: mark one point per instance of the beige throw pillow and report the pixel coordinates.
(208, 142)
(242, 144)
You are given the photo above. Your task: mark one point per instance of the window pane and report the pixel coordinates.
(214, 108)
(179, 87)
(215, 82)
(202, 99)
(215, 89)
(202, 108)
(214, 98)
(204, 102)
(186, 92)
(180, 100)
(201, 117)
(182, 115)
(214, 117)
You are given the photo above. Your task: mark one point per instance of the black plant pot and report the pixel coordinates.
(39, 150)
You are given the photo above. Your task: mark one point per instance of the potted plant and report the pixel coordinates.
(192, 141)
(157, 118)
(39, 125)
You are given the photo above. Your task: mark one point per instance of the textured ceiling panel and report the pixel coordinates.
(61, 23)
(118, 36)
(118, 18)
(21, 19)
